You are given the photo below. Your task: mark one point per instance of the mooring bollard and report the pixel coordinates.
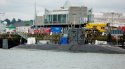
(5, 44)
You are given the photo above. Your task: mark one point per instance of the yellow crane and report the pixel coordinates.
(99, 26)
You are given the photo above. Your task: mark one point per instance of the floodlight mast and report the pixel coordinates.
(35, 13)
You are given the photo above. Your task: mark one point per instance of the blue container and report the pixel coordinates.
(64, 40)
(56, 29)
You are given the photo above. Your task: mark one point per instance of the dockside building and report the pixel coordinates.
(69, 14)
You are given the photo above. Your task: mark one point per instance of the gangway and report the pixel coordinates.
(22, 35)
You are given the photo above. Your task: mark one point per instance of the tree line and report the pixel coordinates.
(9, 22)
(12, 21)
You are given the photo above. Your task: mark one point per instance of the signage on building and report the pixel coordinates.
(83, 20)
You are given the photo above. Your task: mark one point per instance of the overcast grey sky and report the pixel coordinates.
(24, 9)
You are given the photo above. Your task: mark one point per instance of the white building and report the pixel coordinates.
(23, 29)
(109, 17)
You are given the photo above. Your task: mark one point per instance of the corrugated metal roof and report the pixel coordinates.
(59, 12)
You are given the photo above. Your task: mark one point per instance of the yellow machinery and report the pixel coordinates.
(99, 26)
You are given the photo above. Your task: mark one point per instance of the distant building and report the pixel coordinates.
(39, 20)
(10, 29)
(18, 24)
(2, 28)
(23, 23)
(109, 17)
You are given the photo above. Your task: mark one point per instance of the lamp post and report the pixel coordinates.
(110, 28)
(74, 19)
(112, 17)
